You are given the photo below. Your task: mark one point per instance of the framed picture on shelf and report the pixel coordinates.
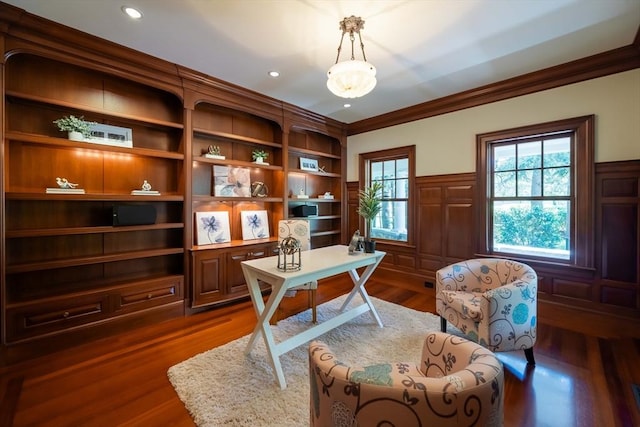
(255, 225)
(231, 181)
(212, 227)
(110, 135)
(308, 164)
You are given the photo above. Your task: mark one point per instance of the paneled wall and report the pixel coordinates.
(617, 233)
(444, 218)
(445, 207)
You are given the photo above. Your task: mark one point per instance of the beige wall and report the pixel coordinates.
(446, 144)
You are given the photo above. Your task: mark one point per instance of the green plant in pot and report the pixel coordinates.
(77, 127)
(259, 155)
(369, 205)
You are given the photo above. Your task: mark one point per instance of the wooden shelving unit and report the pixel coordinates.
(68, 271)
(217, 276)
(66, 265)
(326, 226)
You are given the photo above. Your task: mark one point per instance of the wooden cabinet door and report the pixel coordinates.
(235, 278)
(208, 277)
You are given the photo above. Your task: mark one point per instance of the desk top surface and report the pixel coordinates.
(329, 259)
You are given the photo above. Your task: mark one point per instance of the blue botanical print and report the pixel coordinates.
(520, 314)
(210, 224)
(374, 374)
(526, 294)
(256, 224)
(254, 221)
(506, 309)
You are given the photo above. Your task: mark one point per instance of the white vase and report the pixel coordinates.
(76, 136)
(259, 160)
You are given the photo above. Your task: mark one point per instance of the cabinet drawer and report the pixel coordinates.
(51, 316)
(150, 293)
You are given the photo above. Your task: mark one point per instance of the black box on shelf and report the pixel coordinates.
(134, 215)
(305, 210)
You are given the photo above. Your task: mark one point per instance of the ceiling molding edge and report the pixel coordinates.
(600, 65)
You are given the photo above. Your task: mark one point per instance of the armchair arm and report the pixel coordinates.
(512, 316)
(509, 297)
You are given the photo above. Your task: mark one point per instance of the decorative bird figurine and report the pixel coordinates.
(64, 183)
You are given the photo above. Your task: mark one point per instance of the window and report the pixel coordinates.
(395, 170)
(536, 190)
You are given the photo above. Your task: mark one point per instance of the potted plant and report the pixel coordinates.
(370, 205)
(259, 155)
(77, 127)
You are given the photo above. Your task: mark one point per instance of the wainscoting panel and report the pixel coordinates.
(619, 242)
(618, 233)
(618, 296)
(571, 289)
(430, 233)
(459, 230)
(445, 230)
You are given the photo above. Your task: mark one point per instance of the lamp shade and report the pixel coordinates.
(351, 78)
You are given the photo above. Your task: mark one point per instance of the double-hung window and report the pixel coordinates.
(395, 170)
(536, 185)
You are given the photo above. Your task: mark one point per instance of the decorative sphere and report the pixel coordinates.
(289, 245)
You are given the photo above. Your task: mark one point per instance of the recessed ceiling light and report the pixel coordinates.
(347, 105)
(132, 12)
(274, 73)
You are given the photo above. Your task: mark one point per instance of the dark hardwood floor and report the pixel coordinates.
(586, 365)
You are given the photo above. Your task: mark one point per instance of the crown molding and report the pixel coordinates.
(600, 65)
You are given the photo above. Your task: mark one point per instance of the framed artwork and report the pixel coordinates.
(212, 227)
(255, 225)
(110, 135)
(231, 181)
(308, 164)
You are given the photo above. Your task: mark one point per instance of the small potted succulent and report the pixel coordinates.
(370, 205)
(259, 156)
(77, 128)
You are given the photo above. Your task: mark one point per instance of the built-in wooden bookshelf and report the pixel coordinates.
(68, 270)
(66, 264)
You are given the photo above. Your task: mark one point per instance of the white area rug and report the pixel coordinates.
(223, 387)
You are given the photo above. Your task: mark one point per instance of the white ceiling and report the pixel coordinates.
(422, 49)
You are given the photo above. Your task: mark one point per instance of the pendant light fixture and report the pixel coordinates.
(351, 78)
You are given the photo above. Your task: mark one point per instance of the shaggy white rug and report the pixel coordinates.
(222, 386)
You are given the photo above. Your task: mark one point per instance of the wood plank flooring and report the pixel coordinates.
(586, 365)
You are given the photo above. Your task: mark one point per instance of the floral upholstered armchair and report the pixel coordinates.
(492, 301)
(457, 383)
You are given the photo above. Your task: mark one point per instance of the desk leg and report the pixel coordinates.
(263, 327)
(358, 287)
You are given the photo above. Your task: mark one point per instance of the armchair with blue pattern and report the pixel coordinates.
(492, 301)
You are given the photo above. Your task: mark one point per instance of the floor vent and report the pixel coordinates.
(636, 394)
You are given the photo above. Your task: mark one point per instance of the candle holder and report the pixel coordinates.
(289, 254)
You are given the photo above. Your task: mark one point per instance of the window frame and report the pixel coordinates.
(582, 199)
(406, 152)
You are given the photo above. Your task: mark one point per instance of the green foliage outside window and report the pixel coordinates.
(531, 227)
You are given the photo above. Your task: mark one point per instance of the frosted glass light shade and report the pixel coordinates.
(351, 78)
